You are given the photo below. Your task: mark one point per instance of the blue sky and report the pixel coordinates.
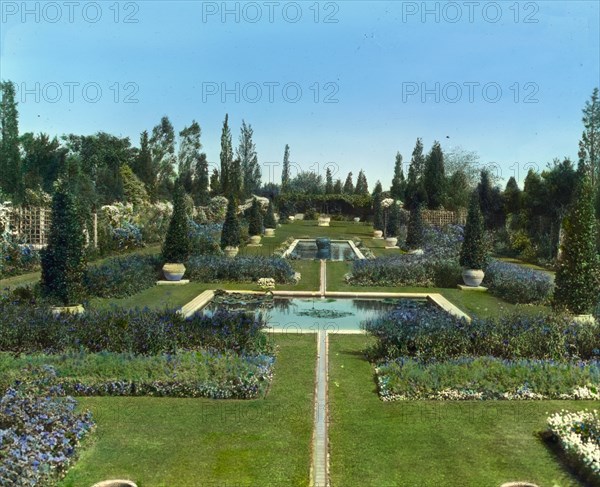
(524, 71)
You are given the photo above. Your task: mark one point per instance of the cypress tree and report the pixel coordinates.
(226, 157)
(434, 178)
(255, 223)
(377, 208)
(11, 170)
(142, 166)
(231, 233)
(328, 182)
(348, 185)
(201, 182)
(512, 197)
(398, 182)
(577, 284)
(285, 172)
(337, 187)
(63, 260)
(394, 221)
(415, 231)
(473, 253)
(270, 217)
(362, 187)
(415, 193)
(177, 246)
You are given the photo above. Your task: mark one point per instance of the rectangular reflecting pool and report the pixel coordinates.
(306, 249)
(305, 315)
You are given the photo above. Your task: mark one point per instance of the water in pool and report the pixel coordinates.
(308, 314)
(307, 250)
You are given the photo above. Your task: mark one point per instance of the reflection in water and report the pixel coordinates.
(307, 250)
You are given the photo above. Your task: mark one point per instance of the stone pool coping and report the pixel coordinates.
(353, 246)
(436, 299)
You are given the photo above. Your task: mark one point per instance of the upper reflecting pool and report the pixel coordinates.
(340, 250)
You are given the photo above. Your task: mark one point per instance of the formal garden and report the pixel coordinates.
(148, 339)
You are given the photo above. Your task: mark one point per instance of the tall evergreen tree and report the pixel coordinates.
(458, 191)
(269, 220)
(348, 185)
(285, 172)
(189, 154)
(255, 220)
(378, 220)
(328, 182)
(235, 179)
(589, 145)
(337, 187)
(43, 160)
(415, 193)
(473, 253)
(162, 148)
(200, 191)
(362, 187)
(215, 183)
(394, 221)
(490, 200)
(434, 177)
(577, 284)
(11, 181)
(398, 182)
(177, 246)
(63, 260)
(512, 197)
(226, 157)
(231, 233)
(415, 233)
(143, 167)
(246, 153)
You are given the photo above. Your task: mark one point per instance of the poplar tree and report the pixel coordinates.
(434, 177)
(398, 187)
(11, 181)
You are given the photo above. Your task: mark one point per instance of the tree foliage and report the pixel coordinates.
(398, 187)
(269, 220)
(434, 178)
(11, 181)
(255, 220)
(348, 185)
(231, 235)
(362, 187)
(285, 172)
(473, 252)
(415, 232)
(177, 246)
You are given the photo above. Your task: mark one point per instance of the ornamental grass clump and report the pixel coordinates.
(473, 254)
(577, 277)
(63, 260)
(177, 246)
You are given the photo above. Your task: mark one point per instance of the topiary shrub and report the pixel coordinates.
(177, 246)
(255, 220)
(394, 221)
(63, 260)
(269, 221)
(415, 232)
(577, 283)
(231, 233)
(473, 254)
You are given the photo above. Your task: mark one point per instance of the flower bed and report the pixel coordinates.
(578, 433)
(122, 276)
(430, 333)
(518, 284)
(183, 374)
(487, 378)
(239, 269)
(39, 434)
(25, 329)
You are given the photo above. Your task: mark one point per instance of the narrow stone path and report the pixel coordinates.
(323, 278)
(320, 463)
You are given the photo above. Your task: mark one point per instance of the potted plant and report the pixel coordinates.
(63, 260)
(378, 225)
(356, 219)
(392, 226)
(270, 222)
(473, 255)
(177, 246)
(231, 233)
(255, 223)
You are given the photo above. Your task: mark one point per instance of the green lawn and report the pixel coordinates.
(427, 443)
(471, 302)
(168, 442)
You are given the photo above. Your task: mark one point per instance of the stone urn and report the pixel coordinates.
(75, 310)
(473, 277)
(115, 483)
(391, 242)
(356, 219)
(269, 232)
(324, 221)
(231, 252)
(173, 272)
(255, 240)
(323, 248)
(377, 234)
(291, 218)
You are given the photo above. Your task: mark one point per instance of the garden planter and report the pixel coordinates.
(115, 483)
(377, 234)
(324, 221)
(473, 277)
(255, 240)
(356, 219)
(76, 310)
(291, 218)
(231, 252)
(391, 242)
(269, 232)
(173, 272)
